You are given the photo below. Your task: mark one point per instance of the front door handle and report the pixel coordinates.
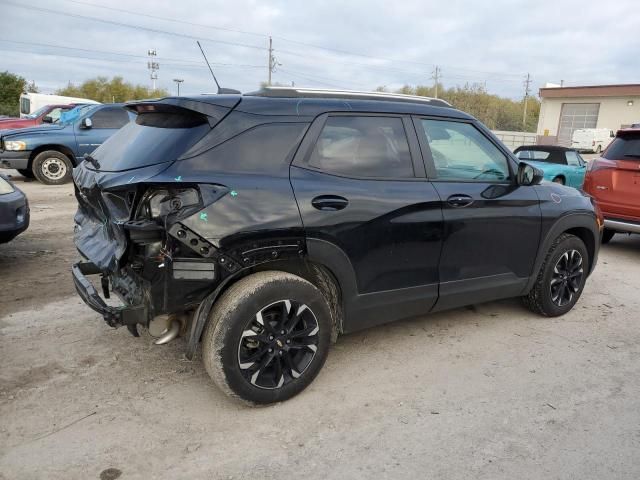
(329, 203)
(459, 200)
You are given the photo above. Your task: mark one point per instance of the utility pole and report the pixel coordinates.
(436, 75)
(178, 82)
(153, 66)
(271, 60)
(527, 84)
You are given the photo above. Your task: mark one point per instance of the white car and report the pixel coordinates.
(591, 139)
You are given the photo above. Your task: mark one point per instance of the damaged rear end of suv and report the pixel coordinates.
(170, 213)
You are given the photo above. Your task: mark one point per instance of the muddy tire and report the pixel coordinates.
(561, 278)
(267, 337)
(52, 167)
(607, 235)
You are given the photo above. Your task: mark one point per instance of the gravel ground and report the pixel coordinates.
(486, 392)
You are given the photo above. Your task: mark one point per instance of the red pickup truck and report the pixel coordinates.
(47, 114)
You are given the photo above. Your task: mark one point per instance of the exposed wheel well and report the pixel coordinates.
(586, 236)
(319, 275)
(58, 148)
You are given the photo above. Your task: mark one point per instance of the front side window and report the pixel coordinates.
(55, 114)
(573, 159)
(375, 147)
(110, 118)
(461, 153)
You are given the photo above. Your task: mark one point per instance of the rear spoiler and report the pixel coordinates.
(213, 107)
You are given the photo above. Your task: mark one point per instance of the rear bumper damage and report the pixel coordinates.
(114, 316)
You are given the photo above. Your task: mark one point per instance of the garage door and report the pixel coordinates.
(574, 116)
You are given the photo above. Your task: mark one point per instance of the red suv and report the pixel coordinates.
(614, 180)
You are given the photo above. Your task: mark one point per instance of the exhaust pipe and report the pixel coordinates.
(170, 333)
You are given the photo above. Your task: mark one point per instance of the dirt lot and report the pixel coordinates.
(486, 392)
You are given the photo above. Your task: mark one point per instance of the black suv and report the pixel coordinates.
(263, 225)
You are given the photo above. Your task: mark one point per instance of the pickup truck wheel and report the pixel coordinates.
(26, 173)
(561, 277)
(607, 235)
(52, 167)
(267, 337)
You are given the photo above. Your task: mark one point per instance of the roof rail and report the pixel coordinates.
(294, 92)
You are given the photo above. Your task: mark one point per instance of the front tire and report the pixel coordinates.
(267, 337)
(52, 167)
(561, 278)
(607, 235)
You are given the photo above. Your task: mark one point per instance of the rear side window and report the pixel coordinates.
(353, 146)
(110, 118)
(267, 148)
(624, 147)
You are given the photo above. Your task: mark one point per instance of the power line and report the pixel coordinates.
(118, 60)
(175, 20)
(123, 54)
(243, 32)
(129, 25)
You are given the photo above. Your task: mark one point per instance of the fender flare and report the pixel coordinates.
(319, 251)
(564, 223)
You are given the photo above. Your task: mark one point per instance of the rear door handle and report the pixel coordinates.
(329, 203)
(459, 200)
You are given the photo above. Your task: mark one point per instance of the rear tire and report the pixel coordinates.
(52, 167)
(559, 180)
(267, 337)
(607, 235)
(599, 149)
(561, 278)
(26, 173)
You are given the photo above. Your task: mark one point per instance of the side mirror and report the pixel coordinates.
(86, 123)
(47, 119)
(529, 175)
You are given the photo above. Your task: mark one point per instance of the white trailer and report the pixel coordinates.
(30, 102)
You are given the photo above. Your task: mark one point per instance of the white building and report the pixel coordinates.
(565, 109)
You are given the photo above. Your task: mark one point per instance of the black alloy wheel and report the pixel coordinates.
(278, 344)
(267, 337)
(567, 278)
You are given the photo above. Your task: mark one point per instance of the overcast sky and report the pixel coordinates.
(353, 44)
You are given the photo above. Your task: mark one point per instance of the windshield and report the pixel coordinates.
(624, 147)
(38, 112)
(72, 115)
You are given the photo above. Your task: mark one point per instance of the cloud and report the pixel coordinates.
(397, 43)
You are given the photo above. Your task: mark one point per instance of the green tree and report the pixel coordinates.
(11, 86)
(497, 113)
(105, 90)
